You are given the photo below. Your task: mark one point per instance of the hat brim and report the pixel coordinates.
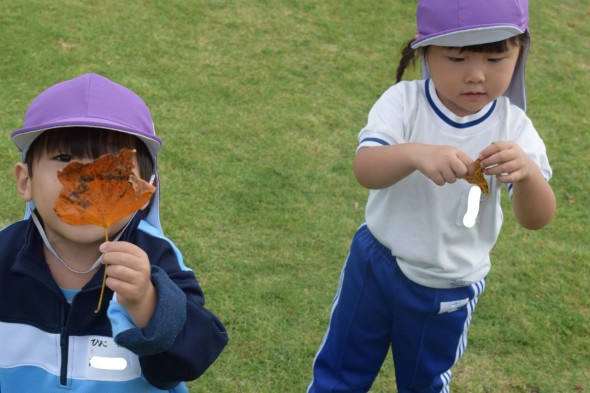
(473, 36)
(24, 137)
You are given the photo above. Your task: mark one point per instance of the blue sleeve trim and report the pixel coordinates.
(376, 140)
(166, 323)
(120, 319)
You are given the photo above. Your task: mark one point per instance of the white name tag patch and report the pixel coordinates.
(108, 361)
(446, 307)
(103, 363)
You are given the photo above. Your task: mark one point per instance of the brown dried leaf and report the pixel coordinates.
(478, 178)
(101, 192)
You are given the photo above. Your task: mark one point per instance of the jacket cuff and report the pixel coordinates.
(161, 331)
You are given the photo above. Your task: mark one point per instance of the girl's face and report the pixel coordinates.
(43, 188)
(467, 81)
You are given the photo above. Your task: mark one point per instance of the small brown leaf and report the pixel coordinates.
(478, 178)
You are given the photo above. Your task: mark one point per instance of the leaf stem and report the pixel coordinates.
(104, 277)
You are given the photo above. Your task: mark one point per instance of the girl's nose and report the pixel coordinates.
(475, 75)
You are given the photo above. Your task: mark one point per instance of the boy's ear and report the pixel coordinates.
(23, 181)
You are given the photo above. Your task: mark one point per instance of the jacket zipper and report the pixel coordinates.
(64, 346)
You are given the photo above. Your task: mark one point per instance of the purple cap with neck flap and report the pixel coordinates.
(459, 23)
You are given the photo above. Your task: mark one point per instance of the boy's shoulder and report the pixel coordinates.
(145, 233)
(11, 232)
(161, 250)
(12, 239)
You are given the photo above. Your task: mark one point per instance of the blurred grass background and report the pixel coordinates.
(259, 103)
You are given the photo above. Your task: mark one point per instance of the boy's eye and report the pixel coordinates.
(63, 158)
(495, 59)
(456, 59)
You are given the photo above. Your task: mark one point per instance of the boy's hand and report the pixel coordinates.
(443, 164)
(128, 270)
(507, 161)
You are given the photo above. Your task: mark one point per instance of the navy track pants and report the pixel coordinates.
(376, 307)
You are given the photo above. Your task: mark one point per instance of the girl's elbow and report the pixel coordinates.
(362, 176)
(533, 226)
(537, 221)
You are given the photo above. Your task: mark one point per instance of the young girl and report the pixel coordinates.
(415, 270)
(156, 331)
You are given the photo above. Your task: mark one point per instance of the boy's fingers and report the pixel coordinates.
(115, 246)
(122, 247)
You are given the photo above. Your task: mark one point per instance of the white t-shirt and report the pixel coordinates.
(422, 223)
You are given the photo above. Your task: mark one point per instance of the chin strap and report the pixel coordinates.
(52, 250)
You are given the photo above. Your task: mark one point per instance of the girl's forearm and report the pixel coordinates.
(383, 166)
(533, 201)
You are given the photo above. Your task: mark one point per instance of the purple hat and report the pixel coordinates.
(459, 23)
(89, 100)
(469, 22)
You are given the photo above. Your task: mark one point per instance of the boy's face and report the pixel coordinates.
(44, 187)
(467, 81)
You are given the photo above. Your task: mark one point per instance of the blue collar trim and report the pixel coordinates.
(451, 122)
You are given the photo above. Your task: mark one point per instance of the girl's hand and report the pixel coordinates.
(533, 200)
(128, 270)
(443, 164)
(507, 161)
(383, 166)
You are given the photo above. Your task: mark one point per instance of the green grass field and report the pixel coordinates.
(259, 104)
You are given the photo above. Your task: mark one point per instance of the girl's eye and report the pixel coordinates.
(63, 158)
(495, 59)
(456, 59)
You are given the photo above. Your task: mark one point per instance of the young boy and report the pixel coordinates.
(156, 332)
